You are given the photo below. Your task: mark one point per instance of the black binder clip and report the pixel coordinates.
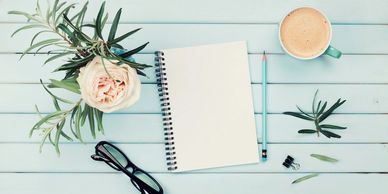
(289, 162)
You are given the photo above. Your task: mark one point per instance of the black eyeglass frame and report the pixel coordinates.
(105, 156)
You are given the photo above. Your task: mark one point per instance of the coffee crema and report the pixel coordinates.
(305, 32)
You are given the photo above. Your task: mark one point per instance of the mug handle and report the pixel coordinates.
(333, 52)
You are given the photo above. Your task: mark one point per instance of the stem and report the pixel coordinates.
(317, 126)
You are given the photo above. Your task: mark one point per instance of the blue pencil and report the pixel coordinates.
(264, 108)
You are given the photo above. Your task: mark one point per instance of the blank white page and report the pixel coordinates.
(211, 106)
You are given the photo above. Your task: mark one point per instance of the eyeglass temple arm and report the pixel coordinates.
(140, 183)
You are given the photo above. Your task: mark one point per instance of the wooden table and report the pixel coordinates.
(361, 76)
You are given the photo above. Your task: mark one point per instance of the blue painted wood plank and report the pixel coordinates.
(147, 128)
(252, 183)
(219, 11)
(362, 98)
(25, 157)
(282, 69)
(348, 38)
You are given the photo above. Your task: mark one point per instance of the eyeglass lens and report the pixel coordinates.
(116, 155)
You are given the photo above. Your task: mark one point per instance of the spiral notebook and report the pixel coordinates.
(207, 107)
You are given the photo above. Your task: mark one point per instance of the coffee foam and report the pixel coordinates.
(305, 32)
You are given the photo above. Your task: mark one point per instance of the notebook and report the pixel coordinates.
(207, 108)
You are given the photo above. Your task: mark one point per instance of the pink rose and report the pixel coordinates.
(106, 93)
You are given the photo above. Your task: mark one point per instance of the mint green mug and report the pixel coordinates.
(305, 33)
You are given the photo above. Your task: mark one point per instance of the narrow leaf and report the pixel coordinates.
(298, 115)
(77, 124)
(58, 56)
(322, 109)
(313, 105)
(122, 37)
(84, 114)
(64, 12)
(38, 44)
(27, 27)
(331, 110)
(99, 21)
(304, 178)
(80, 19)
(91, 122)
(324, 158)
(327, 126)
(113, 28)
(329, 134)
(54, 96)
(134, 51)
(36, 35)
(306, 114)
(99, 114)
(58, 135)
(68, 85)
(28, 16)
(307, 131)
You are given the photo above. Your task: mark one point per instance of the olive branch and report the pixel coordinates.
(318, 115)
(79, 48)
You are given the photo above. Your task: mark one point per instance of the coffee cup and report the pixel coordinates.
(305, 33)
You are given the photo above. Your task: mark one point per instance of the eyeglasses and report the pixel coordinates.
(116, 159)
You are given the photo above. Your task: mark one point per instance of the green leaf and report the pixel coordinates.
(318, 107)
(322, 109)
(58, 135)
(304, 178)
(115, 23)
(76, 63)
(134, 51)
(54, 96)
(56, 56)
(67, 31)
(39, 44)
(99, 21)
(307, 131)
(72, 121)
(327, 126)
(46, 119)
(28, 16)
(314, 99)
(28, 27)
(55, 101)
(117, 46)
(141, 73)
(99, 115)
(331, 110)
(91, 122)
(120, 38)
(55, 9)
(80, 19)
(36, 35)
(77, 124)
(64, 12)
(82, 36)
(329, 134)
(298, 115)
(104, 21)
(324, 158)
(66, 136)
(48, 12)
(65, 84)
(306, 114)
(44, 46)
(84, 114)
